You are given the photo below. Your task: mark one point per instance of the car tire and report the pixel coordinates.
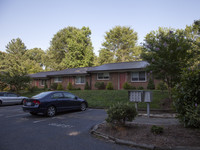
(33, 113)
(83, 106)
(51, 111)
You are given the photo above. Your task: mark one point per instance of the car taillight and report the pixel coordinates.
(36, 102)
(24, 102)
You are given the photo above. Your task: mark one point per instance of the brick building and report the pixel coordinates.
(117, 73)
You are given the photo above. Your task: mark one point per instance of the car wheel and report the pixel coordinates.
(33, 113)
(51, 111)
(83, 106)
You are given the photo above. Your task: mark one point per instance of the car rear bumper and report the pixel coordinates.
(33, 109)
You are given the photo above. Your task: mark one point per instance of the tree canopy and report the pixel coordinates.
(119, 46)
(70, 48)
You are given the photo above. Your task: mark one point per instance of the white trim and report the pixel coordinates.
(139, 80)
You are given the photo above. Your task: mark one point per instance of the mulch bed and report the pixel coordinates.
(174, 135)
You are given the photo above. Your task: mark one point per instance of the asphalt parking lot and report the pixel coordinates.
(65, 131)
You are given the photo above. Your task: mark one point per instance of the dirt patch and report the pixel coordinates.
(174, 135)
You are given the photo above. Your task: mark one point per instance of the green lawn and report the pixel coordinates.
(105, 98)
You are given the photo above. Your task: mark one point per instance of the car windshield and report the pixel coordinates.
(41, 95)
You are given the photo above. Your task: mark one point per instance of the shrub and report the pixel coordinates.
(69, 86)
(156, 129)
(54, 86)
(76, 88)
(109, 86)
(45, 86)
(151, 85)
(140, 88)
(59, 87)
(32, 88)
(162, 86)
(100, 85)
(186, 96)
(87, 87)
(126, 86)
(119, 113)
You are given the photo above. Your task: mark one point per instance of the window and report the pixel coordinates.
(57, 95)
(58, 79)
(68, 95)
(80, 79)
(103, 76)
(138, 76)
(11, 95)
(42, 82)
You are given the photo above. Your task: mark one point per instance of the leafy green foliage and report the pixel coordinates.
(187, 98)
(167, 52)
(32, 88)
(151, 85)
(99, 85)
(140, 88)
(69, 86)
(70, 48)
(119, 46)
(54, 86)
(59, 87)
(119, 113)
(2, 86)
(157, 129)
(109, 86)
(162, 86)
(127, 86)
(87, 87)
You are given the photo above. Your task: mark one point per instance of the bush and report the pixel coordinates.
(119, 113)
(45, 86)
(69, 86)
(151, 85)
(186, 96)
(156, 129)
(140, 88)
(100, 85)
(109, 86)
(32, 88)
(162, 86)
(126, 86)
(76, 88)
(54, 86)
(59, 87)
(87, 87)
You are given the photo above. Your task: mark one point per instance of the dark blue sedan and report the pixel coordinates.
(49, 103)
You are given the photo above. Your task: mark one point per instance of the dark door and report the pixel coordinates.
(122, 80)
(70, 101)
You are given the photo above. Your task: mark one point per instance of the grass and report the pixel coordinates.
(106, 98)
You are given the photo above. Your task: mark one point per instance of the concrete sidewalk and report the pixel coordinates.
(155, 121)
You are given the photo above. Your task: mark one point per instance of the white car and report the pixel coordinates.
(7, 98)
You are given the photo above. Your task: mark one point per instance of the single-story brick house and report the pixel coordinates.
(117, 73)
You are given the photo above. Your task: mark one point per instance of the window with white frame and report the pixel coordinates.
(57, 79)
(103, 76)
(139, 76)
(80, 79)
(42, 82)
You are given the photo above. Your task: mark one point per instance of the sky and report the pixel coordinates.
(35, 22)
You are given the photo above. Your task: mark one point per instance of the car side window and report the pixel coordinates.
(68, 95)
(57, 95)
(1, 94)
(11, 95)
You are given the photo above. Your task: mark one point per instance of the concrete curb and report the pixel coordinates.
(136, 145)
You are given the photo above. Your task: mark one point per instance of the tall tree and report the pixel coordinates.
(71, 47)
(168, 51)
(12, 68)
(119, 46)
(36, 55)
